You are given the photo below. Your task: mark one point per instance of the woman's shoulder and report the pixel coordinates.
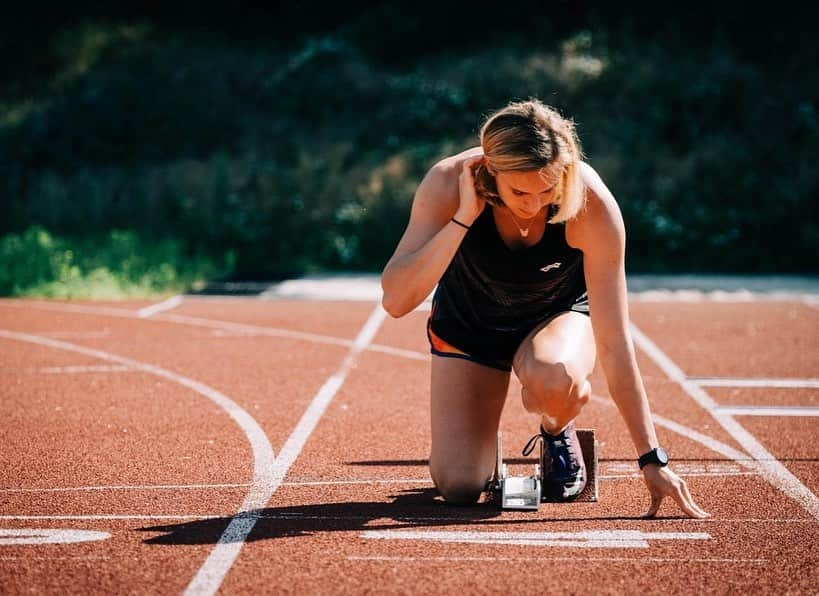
(451, 165)
(442, 177)
(598, 197)
(600, 213)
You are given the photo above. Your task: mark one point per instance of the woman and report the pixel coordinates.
(523, 241)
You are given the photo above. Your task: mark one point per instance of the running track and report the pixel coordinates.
(242, 445)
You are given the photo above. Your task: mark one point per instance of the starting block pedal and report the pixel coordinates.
(526, 492)
(516, 492)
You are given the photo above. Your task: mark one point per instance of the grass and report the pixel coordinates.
(117, 265)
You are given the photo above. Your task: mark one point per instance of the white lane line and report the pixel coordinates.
(696, 474)
(581, 539)
(769, 467)
(606, 521)
(411, 354)
(18, 536)
(67, 489)
(76, 334)
(681, 471)
(767, 410)
(213, 486)
(27, 558)
(682, 467)
(689, 433)
(365, 481)
(238, 328)
(262, 483)
(765, 383)
(57, 370)
(630, 560)
(108, 311)
(213, 571)
(168, 304)
(219, 332)
(254, 330)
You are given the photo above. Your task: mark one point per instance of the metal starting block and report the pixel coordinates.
(526, 492)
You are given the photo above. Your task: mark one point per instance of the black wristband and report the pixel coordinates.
(656, 456)
(463, 225)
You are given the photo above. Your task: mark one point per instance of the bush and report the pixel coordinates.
(121, 264)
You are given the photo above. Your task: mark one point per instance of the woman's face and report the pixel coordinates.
(526, 192)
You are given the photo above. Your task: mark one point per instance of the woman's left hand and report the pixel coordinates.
(662, 483)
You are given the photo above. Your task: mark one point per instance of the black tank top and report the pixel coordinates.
(491, 295)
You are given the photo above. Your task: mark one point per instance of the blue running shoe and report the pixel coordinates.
(561, 464)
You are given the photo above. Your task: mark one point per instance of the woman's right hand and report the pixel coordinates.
(471, 205)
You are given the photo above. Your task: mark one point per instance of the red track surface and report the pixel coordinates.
(137, 444)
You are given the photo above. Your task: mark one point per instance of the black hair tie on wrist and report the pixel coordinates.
(463, 225)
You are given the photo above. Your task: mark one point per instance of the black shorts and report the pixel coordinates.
(489, 348)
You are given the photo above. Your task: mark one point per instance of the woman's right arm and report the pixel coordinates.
(431, 238)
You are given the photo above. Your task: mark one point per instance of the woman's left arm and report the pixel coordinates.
(600, 233)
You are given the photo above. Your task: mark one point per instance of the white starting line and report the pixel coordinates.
(585, 539)
(767, 410)
(786, 383)
(48, 536)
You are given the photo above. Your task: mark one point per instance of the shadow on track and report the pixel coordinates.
(412, 508)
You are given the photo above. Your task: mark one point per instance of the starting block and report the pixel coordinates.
(526, 492)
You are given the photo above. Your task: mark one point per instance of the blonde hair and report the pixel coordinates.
(529, 135)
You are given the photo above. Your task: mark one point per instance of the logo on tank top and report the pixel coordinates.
(547, 268)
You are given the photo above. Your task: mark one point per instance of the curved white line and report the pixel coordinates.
(264, 461)
(211, 324)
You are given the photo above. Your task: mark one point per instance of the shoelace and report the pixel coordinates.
(530, 445)
(558, 449)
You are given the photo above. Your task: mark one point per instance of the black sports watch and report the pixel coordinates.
(655, 456)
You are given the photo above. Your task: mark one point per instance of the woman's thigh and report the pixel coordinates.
(553, 364)
(466, 404)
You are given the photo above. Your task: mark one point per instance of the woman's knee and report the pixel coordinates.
(553, 386)
(546, 380)
(459, 485)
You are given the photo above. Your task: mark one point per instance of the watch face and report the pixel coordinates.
(662, 456)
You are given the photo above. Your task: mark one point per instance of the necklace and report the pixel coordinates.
(524, 232)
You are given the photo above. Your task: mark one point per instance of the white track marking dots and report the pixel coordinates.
(769, 467)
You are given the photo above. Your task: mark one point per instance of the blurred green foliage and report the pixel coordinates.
(118, 265)
(292, 141)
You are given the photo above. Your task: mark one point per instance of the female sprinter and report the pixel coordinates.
(524, 246)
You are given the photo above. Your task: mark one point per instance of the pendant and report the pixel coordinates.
(524, 233)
